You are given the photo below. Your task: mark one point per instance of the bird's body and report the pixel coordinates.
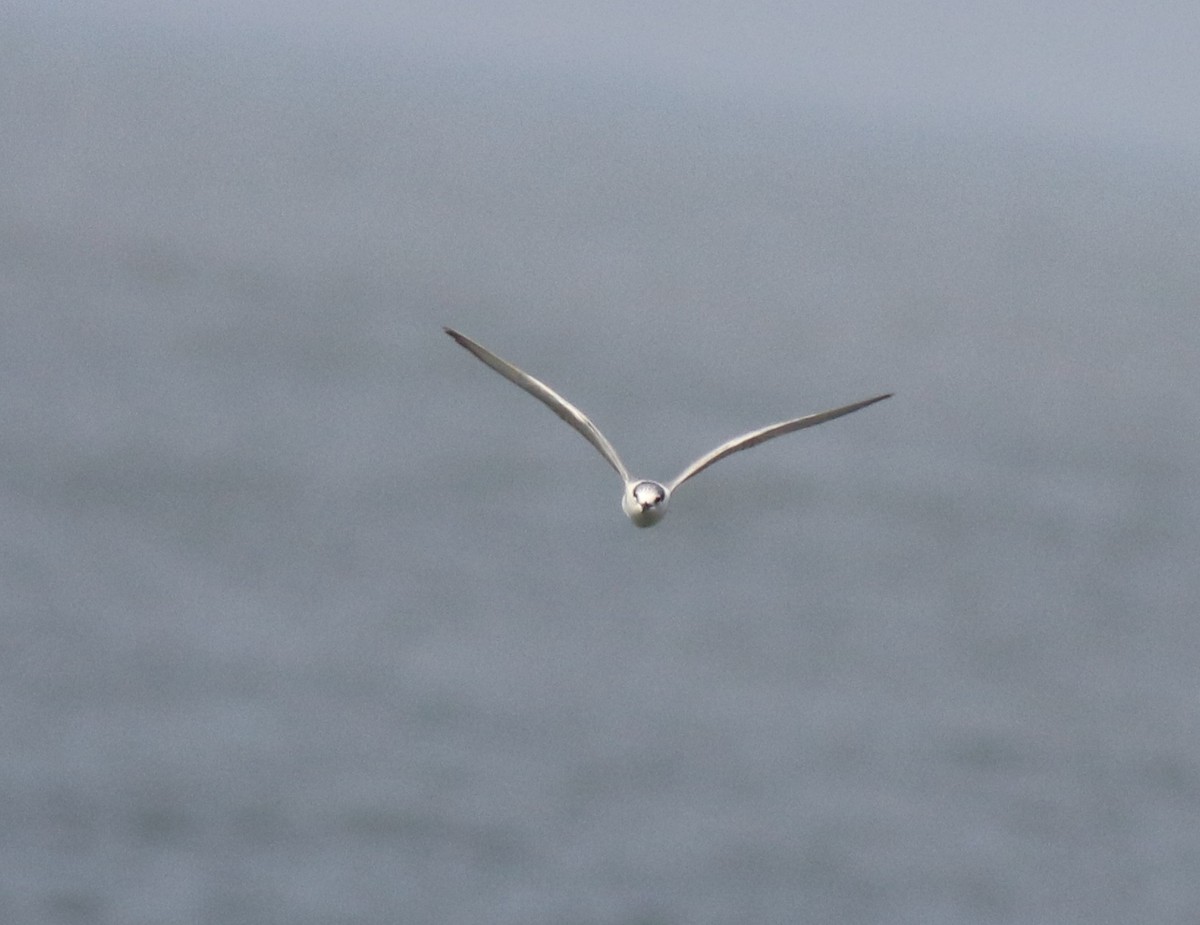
(644, 500)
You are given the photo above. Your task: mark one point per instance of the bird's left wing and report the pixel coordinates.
(755, 437)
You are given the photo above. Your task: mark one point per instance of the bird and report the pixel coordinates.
(644, 501)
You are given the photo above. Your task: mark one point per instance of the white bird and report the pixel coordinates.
(644, 500)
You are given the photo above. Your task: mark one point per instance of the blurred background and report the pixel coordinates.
(308, 617)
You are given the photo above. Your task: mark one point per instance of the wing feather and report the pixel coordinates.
(755, 437)
(547, 396)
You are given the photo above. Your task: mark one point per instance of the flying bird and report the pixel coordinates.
(644, 500)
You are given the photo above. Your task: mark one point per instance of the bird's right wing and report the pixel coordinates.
(550, 398)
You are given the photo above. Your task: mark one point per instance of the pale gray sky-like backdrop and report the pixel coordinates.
(308, 617)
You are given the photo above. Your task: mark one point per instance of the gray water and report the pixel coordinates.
(308, 617)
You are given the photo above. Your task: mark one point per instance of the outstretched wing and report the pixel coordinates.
(550, 398)
(755, 437)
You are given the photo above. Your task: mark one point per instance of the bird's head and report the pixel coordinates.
(645, 502)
